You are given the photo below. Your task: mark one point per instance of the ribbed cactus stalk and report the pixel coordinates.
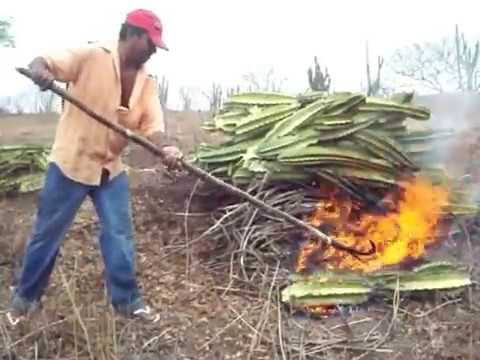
(186, 99)
(163, 91)
(467, 61)
(216, 97)
(374, 85)
(318, 80)
(233, 90)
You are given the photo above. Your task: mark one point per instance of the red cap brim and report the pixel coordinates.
(157, 40)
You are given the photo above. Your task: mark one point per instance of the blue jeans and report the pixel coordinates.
(59, 202)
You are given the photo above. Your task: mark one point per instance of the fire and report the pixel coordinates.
(403, 232)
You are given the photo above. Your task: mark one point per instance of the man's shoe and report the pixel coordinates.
(146, 313)
(20, 309)
(14, 317)
(137, 310)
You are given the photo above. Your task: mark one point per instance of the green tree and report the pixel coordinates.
(6, 38)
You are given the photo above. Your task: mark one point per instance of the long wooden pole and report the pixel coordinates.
(203, 174)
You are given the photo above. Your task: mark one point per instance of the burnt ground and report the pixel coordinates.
(208, 311)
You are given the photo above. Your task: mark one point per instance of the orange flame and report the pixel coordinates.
(402, 233)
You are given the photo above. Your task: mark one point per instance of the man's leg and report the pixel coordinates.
(112, 203)
(59, 201)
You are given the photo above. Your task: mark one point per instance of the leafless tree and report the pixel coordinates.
(263, 82)
(448, 64)
(215, 97)
(162, 89)
(186, 98)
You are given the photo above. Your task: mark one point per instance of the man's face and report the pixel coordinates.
(142, 48)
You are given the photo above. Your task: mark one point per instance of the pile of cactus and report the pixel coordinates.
(346, 138)
(335, 288)
(22, 167)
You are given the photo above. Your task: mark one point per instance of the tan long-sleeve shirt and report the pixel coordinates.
(83, 146)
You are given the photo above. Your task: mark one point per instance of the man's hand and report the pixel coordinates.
(41, 74)
(172, 156)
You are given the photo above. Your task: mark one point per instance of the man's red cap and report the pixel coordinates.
(147, 20)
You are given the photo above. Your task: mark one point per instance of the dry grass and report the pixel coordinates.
(217, 290)
(215, 277)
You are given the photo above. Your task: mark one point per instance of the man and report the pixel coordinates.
(85, 159)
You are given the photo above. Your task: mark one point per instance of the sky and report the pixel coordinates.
(219, 41)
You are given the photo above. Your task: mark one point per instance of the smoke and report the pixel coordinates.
(458, 113)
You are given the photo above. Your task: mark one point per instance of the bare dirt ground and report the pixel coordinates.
(208, 310)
